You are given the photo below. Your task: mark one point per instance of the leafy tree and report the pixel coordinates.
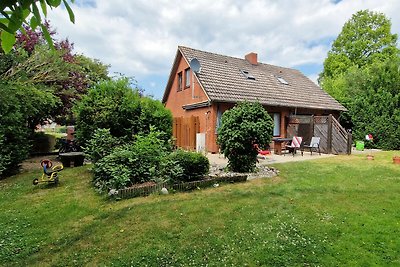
(15, 13)
(364, 43)
(115, 105)
(68, 74)
(365, 38)
(375, 107)
(241, 128)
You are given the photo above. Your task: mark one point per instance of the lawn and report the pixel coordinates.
(341, 211)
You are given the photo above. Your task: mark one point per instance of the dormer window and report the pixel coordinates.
(282, 81)
(248, 75)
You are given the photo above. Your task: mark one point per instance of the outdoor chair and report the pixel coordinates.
(294, 145)
(262, 153)
(314, 145)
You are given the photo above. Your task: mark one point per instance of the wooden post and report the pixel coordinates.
(329, 141)
(312, 125)
(349, 143)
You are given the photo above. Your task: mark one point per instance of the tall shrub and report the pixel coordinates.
(114, 105)
(243, 126)
(110, 105)
(18, 106)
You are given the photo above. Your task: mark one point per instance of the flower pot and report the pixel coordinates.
(396, 159)
(370, 157)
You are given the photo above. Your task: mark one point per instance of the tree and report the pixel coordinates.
(67, 74)
(241, 128)
(365, 38)
(110, 105)
(375, 107)
(15, 13)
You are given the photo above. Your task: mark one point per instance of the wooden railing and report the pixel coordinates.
(334, 138)
(341, 139)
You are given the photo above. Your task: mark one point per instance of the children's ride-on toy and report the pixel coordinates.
(50, 175)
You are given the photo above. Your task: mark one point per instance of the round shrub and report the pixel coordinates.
(241, 127)
(194, 165)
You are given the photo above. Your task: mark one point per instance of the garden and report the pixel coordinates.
(327, 212)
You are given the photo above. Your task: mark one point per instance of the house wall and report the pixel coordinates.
(191, 95)
(208, 115)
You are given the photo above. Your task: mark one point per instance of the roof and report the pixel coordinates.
(223, 80)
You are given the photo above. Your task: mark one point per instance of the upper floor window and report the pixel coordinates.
(187, 78)
(180, 81)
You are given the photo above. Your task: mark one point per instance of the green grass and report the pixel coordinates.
(341, 211)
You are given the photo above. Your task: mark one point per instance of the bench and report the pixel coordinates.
(72, 157)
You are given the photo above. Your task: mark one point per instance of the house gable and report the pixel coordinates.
(189, 94)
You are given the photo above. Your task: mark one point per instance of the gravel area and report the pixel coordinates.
(262, 171)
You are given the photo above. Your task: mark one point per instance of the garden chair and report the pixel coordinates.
(262, 153)
(314, 145)
(294, 145)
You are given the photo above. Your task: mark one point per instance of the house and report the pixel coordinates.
(198, 98)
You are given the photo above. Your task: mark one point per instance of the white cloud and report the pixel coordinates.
(140, 38)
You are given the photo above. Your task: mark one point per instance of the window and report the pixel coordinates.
(187, 78)
(277, 124)
(180, 81)
(248, 75)
(219, 116)
(282, 81)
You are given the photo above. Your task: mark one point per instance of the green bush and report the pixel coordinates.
(110, 105)
(132, 163)
(154, 114)
(241, 127)
(194, 166)
(100, 145)
(14, 133)
(116, 106)
(375, 104)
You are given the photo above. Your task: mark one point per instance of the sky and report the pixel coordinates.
(140, 38)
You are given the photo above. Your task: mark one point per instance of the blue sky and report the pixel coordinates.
(139, 38)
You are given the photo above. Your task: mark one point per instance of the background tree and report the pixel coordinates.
(37, 83)
(241, 127)
(375, 107)
(360, 72)
(366, 38)
(67, 74)
(15, 13)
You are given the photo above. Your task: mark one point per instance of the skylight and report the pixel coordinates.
(282, 81)
(248, 75)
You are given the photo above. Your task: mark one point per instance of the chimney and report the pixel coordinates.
(252, 58)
